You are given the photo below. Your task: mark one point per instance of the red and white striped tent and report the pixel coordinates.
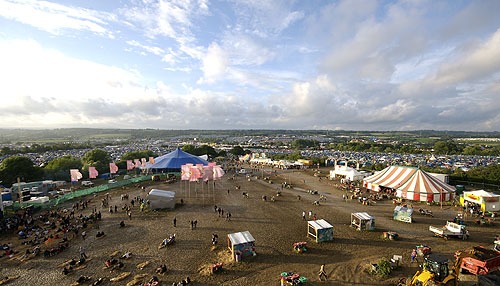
(410, 183)
(391, 177)
(426, 188)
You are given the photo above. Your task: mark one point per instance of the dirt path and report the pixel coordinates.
(274, 225)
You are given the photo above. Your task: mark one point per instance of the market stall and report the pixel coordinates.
(362, 221)
(241, 244)
(320, 230)
(403, 213)
(486, 201)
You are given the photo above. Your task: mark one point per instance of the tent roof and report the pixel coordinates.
(482, 193)
(240, 237)
(392, 177)
(175, 159)
(161, 193)
(424, 183)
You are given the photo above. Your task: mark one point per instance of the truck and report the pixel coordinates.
(480, 260)
(451, 229)
(435, 271)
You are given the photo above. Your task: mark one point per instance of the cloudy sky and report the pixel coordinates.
(242, 64)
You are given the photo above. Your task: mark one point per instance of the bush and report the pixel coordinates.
(383, 268)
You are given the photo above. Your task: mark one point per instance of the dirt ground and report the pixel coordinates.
(274, 225)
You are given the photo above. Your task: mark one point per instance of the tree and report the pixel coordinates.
(19, 167)
(137, 155)
(445, 147)
(189, 148)
(58, 169)
(237, 150)
(97, 158)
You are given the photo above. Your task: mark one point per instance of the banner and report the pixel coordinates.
(113, 168)
(93, 173)
(130, 165)
(75, 175)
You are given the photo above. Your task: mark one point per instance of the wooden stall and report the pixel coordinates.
(362, 221)
(241, 244)
(319, 230)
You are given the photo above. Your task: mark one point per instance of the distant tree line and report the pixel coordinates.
(41, 148)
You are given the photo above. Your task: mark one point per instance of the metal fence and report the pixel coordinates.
(76, 194)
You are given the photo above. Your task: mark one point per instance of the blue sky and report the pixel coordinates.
(269, 64)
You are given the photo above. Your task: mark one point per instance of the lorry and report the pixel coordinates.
(451, 229)
(480, 260)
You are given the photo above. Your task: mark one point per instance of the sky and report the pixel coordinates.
(243, 64)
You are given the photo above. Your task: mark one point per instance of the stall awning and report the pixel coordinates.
(241, 237)
(362, 216)
(319, 224)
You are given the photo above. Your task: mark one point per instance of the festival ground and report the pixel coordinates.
(274, 225)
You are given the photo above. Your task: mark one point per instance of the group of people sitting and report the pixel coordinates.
(167, 241)
(113, 264)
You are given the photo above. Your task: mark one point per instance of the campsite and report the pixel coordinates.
(275, 226)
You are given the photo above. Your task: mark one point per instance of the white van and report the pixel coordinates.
(87, 183)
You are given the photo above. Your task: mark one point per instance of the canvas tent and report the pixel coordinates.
(426, 188)
(320, 230)
(175, 159)
(410, 183)
(489, 202)
(241, 244)
(391, 177)
(348, 173)
(161, 199)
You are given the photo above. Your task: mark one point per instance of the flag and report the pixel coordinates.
(186, 172)
(151, 160)
(93, 172)
(75, 175)
(208, 173)
(137, 163)
(218, 172)
(195, 174)
(130, 165)
(113, 168)
(143, 162)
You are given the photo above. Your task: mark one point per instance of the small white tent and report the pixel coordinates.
(161, 199)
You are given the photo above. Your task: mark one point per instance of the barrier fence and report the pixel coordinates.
(76, 194)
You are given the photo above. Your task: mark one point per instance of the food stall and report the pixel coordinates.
(362, 221)
(241, 244)
(487, 201)
(320, 230)
(403, 213)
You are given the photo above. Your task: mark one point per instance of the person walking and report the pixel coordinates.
(414, 255)
(82, 253)
(175, 221)
(322, 273)
(304, 215)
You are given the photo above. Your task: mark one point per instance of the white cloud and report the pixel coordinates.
(214, 64)
(55, 18)
(150, 49)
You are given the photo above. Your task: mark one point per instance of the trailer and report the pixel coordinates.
(480, 261)
(451, 229)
